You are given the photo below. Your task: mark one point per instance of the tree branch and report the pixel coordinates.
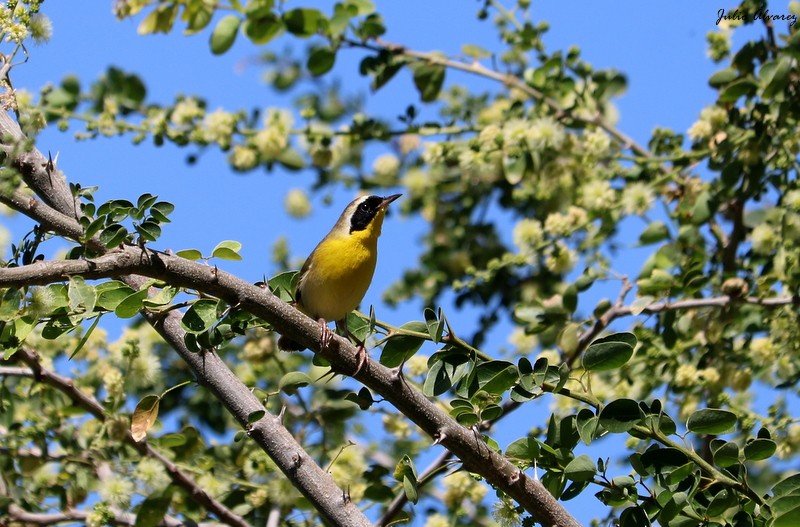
(18, 515)
(91, 405)
(508, 80)
(463, 442)
(620, 310)
(269, 433)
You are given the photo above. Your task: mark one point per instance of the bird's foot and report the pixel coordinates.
(327, 334)
(361, 358)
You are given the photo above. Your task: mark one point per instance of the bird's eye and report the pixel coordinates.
(363, 206)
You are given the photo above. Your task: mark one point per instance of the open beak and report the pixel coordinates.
(387, 200)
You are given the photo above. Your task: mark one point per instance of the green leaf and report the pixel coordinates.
(759, 449)
(722, 501)
(525, 449)
(161, 210)
(620, 415)
(475, 52)
(655, 232)
(283, 285)
(363, 398)
(320, 61)
(609, 352)
(587, 424)
(291, 159)
(262, 29)
(93, 228)
(255, 415)
(775, 76)
(491, 412)
(144, 416)
(410, 489)
(435, 326)
(113, 235)
(149, 231)
(145, 201)
(159, 20)
(634, 517)
(429, 78)
(10, 304)
(438, 381)
(85, 337)
(723, 77)
(81, 295)
(738, 89)
(303, 22)
(497, 376)
(227, 250)
(582, 468)
(154, 507)
(371, 27)
(197, 16)
(200, 317)
(293, 380)
(363, 7)
(724, 453)
(131, 305)
(161, 300)
(190, 254)
(711, 421)
(224, 34)
(398, 349)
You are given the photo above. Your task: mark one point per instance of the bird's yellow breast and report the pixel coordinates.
(340, 272)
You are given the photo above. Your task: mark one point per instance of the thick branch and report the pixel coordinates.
(269, 433)
(38, 172)
(463, 442)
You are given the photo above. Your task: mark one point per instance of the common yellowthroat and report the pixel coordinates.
(337, 273)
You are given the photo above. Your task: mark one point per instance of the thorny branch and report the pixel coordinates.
(131, 263)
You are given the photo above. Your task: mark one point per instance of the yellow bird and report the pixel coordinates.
(338, 272)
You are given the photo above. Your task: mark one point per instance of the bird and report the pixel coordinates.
(336, 275)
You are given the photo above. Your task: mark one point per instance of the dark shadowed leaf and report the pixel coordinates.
(429, 78)
(320, 61)
(200, 317)
(711, 421)
(620, 415)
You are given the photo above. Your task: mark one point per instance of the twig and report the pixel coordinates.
(506, 79)
(619, 310)
(131, 260)
(91, 405)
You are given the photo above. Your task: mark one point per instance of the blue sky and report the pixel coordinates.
(659, 46)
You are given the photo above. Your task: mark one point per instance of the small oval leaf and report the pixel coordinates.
(711, 421)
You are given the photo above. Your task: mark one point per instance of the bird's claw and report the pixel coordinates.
(327, 334)
(361, 358)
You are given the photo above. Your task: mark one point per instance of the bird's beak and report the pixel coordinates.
(387, 200)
